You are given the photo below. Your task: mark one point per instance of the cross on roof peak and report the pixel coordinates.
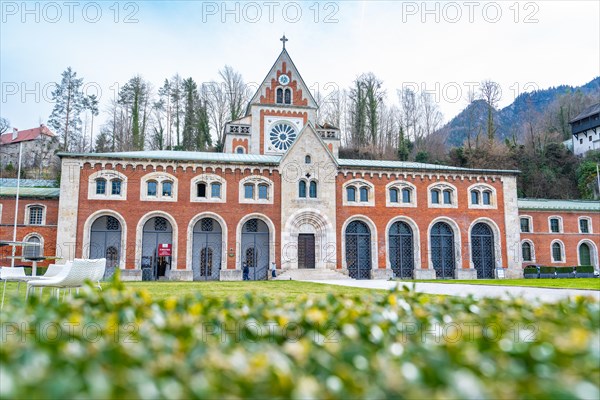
(284, 39)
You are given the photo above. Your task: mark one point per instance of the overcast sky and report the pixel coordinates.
(443, 47)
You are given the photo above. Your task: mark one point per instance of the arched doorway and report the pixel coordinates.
(358, 250)
(255, 249)
(206, 250)
(105, 242)
(585, 254)
(482, 250)
(401, 250)
(157, 232)
(442, 250)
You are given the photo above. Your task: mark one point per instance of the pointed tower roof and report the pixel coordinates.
(283, 66)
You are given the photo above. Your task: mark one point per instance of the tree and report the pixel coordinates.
(236, 91)
(69, 103)
(215, 99)
(103, 142)
(190, 95)
(403, 146)
(4, 125)
(175, 91)
(135, 97)
(91, 104)
(491, 93)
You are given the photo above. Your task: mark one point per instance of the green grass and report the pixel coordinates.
(578, 283)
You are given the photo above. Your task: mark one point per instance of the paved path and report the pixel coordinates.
(478, 291)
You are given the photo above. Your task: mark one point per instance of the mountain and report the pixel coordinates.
(508, 120)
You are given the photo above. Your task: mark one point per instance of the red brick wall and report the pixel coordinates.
(421, 215)
(298, 98)
(542, 237)
(47, 231)
(183, 211)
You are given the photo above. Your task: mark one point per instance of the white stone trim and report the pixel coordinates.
(481, 188)
(256, 180)
(139, 234)
(593, 253)
(562, 251)
(497, 241)
(532, 247)
(159, 177)
(28, 208)
(374, 241)
(238, 237)
(560, 224)
(441, 186)
(109, 175)
(399, 185)
(458, 264)
(325, 241)
(358, 183)
(0, 213)
(416, 241)
(208, 179)
(590, 228)
(190, 238)
(530, 218)
(87, 234)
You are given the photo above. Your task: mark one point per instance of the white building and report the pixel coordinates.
(586, 130)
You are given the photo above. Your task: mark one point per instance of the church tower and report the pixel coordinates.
(279, 110)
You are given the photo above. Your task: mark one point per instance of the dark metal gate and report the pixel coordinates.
(401, 250)
(482, 251)
(442, 250)
(156, 231)
(358, 250)
(306, 251)
(105, 242)
(255, 249)
(207, 249)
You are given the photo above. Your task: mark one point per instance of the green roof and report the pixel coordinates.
(170, 155)
(196, 156)
(30, 192)
(559, 205)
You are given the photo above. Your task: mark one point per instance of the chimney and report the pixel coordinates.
(15, 133)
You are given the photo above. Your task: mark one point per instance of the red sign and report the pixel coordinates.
(164, 250)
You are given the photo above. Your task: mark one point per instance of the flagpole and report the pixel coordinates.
(14, 249)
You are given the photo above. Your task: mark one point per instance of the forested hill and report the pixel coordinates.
(508, 120)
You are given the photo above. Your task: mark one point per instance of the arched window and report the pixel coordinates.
(201, 190)
(152, 188)
(526, 251)
(487, 198)
(556, 252)
(313, 190)
(364, 194)
(36, 215)
(435, 197)
(33, 250)
(474, 197)
(280, 96)
(116, 187)
(554, 225)
(585, 254)
(406, 195)
(307, 159)
(215, 190)
(101, 186)
(263, 192)
(393, 195)
(167, 189)
(249, 191)
(447, 197)
(351, 193)
(288, 96)
(302, 189)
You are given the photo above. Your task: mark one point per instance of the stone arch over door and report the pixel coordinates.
(309, 221)
(593, 252)
(139, 237)
(190, 239)
(207, 249)
(239, 258)
(416, 242)
(87, 235)
(374, 240)
(482, 250)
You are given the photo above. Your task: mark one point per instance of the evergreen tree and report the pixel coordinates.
(69, 101)
(403, 146)
(190, 93)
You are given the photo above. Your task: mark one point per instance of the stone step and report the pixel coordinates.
(311, 274)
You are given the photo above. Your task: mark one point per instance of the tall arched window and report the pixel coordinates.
(101, 186)
(526, 251)
(280, 96)
(152, 188)
(557, 252)
(33, 250)
(364, 194)
(406, 195)
(351, 193)
(302, 189)
(313, 190)
(393, 195)
(288, 96)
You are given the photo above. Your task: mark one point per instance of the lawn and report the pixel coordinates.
(580, 283)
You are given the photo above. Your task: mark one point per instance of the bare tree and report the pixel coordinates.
(236, 91)
(4, 125)
(215, 97)
(491, 93)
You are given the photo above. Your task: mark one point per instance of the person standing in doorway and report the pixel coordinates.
(245, 271)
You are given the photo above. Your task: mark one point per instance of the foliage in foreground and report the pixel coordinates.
(122, 344)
